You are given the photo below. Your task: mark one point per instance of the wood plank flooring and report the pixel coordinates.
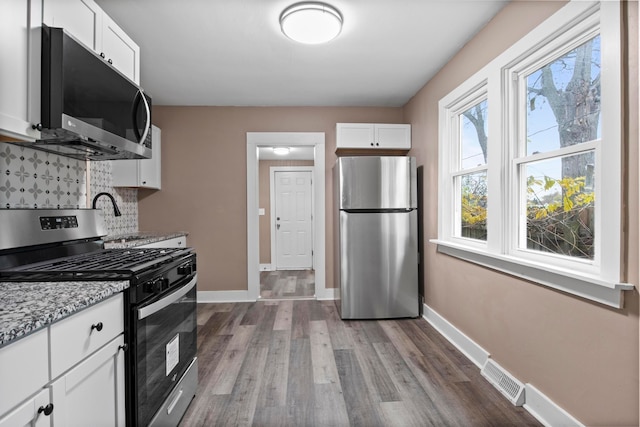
(282, 284)
(296, 363)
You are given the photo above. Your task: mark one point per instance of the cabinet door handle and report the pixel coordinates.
(98, 326)
(102, 55)
(110, 61)
(46, 409)
(123, 347)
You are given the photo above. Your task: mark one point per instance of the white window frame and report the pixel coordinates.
(451, 157)
(597, 280)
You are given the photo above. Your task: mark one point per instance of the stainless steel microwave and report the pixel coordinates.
(89, 109)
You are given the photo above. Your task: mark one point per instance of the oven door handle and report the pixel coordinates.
(166, 301)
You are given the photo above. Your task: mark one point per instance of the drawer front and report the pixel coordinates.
(24, 368)
(76, 337)
(27, 413)
(176, 242)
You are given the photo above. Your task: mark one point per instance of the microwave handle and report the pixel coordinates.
(148, 121)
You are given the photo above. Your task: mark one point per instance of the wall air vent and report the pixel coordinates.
(503, 381)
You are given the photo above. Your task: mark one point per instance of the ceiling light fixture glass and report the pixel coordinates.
(281, 151)
(311, 22)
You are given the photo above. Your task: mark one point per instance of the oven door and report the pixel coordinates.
(165, 345)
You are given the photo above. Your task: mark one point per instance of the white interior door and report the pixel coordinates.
(292, 220)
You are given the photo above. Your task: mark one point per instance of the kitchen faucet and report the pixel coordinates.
(116, 211)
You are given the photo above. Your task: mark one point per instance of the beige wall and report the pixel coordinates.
(204, 178)
(264, 201)
(582, 355)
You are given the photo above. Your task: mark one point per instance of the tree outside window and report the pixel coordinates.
(473, 185)
(562, 110)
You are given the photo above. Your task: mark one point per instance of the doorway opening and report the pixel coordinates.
(296, 273)
(287, 284)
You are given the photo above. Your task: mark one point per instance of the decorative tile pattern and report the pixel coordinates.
(36, 179)
(127, 199)
(29, 306)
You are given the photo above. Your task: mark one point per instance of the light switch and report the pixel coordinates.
(260, 211)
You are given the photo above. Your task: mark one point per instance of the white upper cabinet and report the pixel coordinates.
(86, 21)
(373, 136)
(20, 44)
(141, 173)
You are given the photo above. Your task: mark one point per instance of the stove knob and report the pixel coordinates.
(184, 269)
(153, 287)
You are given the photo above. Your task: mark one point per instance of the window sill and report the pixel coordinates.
(610, 294)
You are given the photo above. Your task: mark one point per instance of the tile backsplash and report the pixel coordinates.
(100, 179)
(35, 179)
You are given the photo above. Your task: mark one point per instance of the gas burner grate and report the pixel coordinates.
(101, 265)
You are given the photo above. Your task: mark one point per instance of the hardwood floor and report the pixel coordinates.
(287, 284)
(296, 363)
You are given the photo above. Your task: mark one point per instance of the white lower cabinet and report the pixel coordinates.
(176, 242)
(69, 374)
(78, 336)
(92, 393)
(33, 412)
(24, 369)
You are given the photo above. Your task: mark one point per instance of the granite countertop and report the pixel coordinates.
(130, 240)
(26, 307)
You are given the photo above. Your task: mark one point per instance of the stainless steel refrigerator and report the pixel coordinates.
(376, 241)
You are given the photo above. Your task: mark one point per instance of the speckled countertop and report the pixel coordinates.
(26, 307)
(130, 240)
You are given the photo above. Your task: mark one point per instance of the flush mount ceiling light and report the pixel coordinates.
(311, 22)
(281, 151)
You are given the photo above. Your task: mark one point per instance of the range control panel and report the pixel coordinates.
(58, 222)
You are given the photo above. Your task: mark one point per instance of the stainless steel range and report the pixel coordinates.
(160, 305)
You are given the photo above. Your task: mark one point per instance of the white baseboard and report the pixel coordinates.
(466, 345)
(546, 411)
(328, 294)
(224, 296)
(266, 267)
(536, 403)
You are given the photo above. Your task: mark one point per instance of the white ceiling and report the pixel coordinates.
(232, 52)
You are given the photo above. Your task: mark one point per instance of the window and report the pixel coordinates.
(557, 146)
(530, 157)
(470, 176)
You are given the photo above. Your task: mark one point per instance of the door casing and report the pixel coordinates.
(287, 139)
